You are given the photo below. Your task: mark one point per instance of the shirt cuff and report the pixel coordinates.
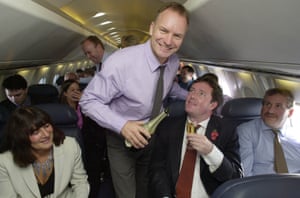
(214, 159)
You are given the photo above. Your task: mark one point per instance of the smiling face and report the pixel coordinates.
(93, 51)
(72, 92)
(167, 34)
(199, 105)
(275, 110)
(42, 138)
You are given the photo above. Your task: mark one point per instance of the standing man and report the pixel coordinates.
(121, 97)
(256, 137)
(97, 165)
(215, 147)
(93, 48)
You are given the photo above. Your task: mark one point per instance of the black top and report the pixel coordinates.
(48, 187)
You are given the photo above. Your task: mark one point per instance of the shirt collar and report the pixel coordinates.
(282, 130)
(203, 123)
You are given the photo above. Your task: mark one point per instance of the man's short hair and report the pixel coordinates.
(217, 92)
(211, 76)
(177, 7)
(129, 40)
(188, 68)
(284, 92)
(14, 82)
(93, 39)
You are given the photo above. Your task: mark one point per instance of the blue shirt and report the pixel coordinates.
(257, 147)
(125, 88)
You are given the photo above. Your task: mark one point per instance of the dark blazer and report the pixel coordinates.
(166, 156)
(8, 105)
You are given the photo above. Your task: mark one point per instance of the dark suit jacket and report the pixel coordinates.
(166, 156)
(8, 106)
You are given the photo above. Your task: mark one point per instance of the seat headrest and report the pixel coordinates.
(260, 186)
(43, 89)
(242, 107)
(61, 114)
(43, 93)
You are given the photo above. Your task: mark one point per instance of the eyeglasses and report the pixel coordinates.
(199, 93)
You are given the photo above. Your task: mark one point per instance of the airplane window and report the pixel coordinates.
(225, 87)
(296, 116)
(42, 81)
(55, 78)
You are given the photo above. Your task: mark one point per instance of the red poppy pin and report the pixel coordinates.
(214, 135)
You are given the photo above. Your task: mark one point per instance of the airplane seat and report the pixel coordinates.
(239, 110)
(43, 93)
(65, 118)
(260, 186)
(175, 107)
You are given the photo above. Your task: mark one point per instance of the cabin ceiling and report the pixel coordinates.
(126, 17)
(248, 32)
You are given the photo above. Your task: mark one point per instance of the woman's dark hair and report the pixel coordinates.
(21, 124)
(64, 88)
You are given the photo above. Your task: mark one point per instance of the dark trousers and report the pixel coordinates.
(97, 163)
(129, 168)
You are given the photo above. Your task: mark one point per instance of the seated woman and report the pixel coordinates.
(70, 94)
(37, 160)
(95, 157)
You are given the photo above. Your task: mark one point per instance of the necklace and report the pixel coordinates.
(43, 168)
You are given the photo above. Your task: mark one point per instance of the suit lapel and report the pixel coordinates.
(30, 180)
(178, 135)
(58, 168)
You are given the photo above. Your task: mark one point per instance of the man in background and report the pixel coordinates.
(15, 88)
(98, 171)
(186, 77)
(256, 137)
(128, 40)
(93, 48)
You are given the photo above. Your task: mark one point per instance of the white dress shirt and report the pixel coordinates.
(213, 159)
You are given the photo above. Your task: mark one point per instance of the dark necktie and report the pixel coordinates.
(99, 67)
(158, 94)
(185, 180)
(280, 165)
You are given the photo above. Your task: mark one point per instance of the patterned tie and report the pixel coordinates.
(185, 179)
(280, 165)
(159, 93)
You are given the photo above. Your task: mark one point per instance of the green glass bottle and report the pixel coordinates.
(152, 125)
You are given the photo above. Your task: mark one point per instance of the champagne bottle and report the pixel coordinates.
(152, 125)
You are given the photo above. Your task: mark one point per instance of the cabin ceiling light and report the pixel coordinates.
(178, 1)
(105, 23)
(112, 28)
(99, 14)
